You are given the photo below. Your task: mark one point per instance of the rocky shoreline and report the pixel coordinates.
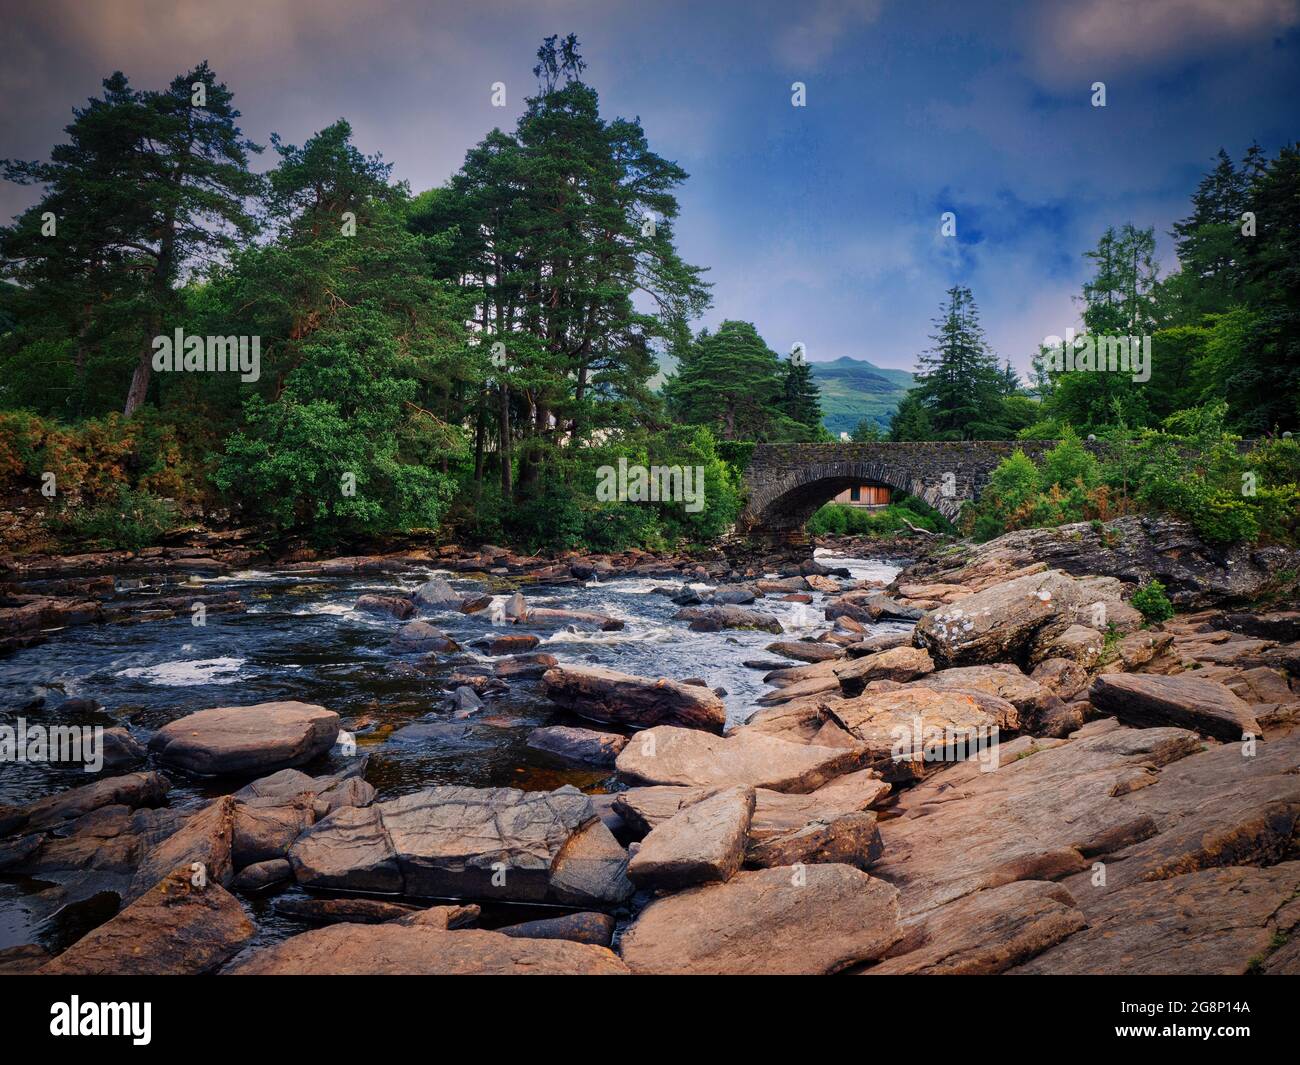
(1016, 775)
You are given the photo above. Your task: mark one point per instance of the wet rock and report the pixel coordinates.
(348, 851)
(265, 829)
(442, 917)
(702, 843)
(901, 664)
(885, 641)
(335, 911)
(988, 932)
(395, 949)
(607, 695)
(121, 750)
(843, 838)
(515, 643)
(525, 667)
(437, 594)
(581, 745)
(421, 637)
(819, 919)
(1146, 699)
(596, 929)
(465, 701)
(690, 758)
(734, 596)
(591, 870)
(22, 960)
(806, 650)
(474, 602)
(246, 740)
(785, 584)
(717, 618)
(870, 607)
(1212, 922)
(516, 608)
(326, 793)
(260, 876)
(132, 790)
(174, 928)
(581, 620)
(386, 605)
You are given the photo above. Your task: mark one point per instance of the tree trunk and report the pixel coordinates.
(503, 444)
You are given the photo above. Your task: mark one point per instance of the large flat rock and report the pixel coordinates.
(689, 758)
(415, 950)
(174, 929)
(1213, 922)
(608, 695)
(789, 920)
(246, 740)
(457, 842)
(1145, 699)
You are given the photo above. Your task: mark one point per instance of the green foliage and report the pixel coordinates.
(129, 520)
(836, 519)
(1152, 603)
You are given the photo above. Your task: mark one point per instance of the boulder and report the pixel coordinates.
(870, 607)
(443, 918)
(437, 594)
(265, 829)
(582, 745)
(581, 620)
(901, 664)
(845, 839)
(515, 643)
(120, 750)
(388, 605)
(884, 641)
(1061, 677)
(335, 911)
(607, 695)
(1002, 680)
(525, 666)
(421, 637)
(717, 618)
(912, 731)
(175, 928)
(246, 740)
(1078, 643)
(131, 790)
(689, 758)
(702, 843)
(417, 950)
(790, 920)
(262, 875)
(806, 650)
(204, 839)
(1144, 699)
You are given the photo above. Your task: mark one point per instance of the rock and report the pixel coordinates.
(1146, 699)
(689, 758)
(515, 607)
(988, 932)
(1062, 677)
(406, 950)
(596, 929)
(173, 929)
(265, 829)
(132, 790)
(580, 745)
(869, 608)
(581, 620)
(473, 603)
(335, 911)
(22, 960)
(1133, 549)
(901, 664)
(702, 843)
(457, 842)
(1280, 625)
(465, 701)
(806, 650)
(1212, 922)
(844, 839)
(246, 740)
(421, 637)
(120, 750)
(1000, 623)
(515, 643)
(204, 839)
(607, 695)
(1001, 680)
(1078, 643)
(325, 793)
(443, 918)
(716, 618)
(437, 594)
(388, 605)
(819, 919)
(525, 667)
(785, 584)
(262, 875)
(736, 596)
(884, 641)
(912, 731)
(1138, 649)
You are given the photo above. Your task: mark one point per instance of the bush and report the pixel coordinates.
(132, 519)
(837, 519)
(1152, 603)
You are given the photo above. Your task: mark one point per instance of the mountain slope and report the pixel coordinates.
(853, 389)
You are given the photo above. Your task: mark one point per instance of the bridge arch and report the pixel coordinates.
(787, 483)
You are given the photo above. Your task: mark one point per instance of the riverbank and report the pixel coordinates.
(972, 766)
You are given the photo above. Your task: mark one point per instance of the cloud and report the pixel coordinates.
(1106, 34)
(823, 22)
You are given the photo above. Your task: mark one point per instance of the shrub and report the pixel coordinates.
(1152, 603)
(131, 519)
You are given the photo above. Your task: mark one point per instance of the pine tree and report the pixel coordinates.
(732, 382)
(959, 383)
(801, 401)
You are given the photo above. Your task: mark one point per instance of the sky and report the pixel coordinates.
(820, 224)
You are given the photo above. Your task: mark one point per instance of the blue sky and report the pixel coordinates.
(820, 224)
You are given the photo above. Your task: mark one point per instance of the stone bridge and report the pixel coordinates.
(788, 482)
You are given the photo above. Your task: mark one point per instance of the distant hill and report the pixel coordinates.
(853, 389)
